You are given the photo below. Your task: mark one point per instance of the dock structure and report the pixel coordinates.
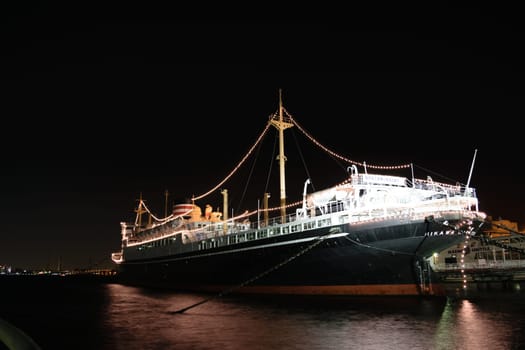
(491, 262)
(501, 277)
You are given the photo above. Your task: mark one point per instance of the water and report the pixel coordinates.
(59, 313)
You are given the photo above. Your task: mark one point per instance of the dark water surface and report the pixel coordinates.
(62, 313)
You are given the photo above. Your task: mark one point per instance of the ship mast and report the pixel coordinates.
(166, 203)
(140, 210)
(281, 125)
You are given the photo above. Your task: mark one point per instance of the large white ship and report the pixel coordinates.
(371, 234)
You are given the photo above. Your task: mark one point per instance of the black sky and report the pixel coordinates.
(101, 103)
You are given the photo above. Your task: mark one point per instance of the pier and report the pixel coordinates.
(483, 278)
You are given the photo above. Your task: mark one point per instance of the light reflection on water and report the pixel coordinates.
(63, 314)
(466, 325)
(144, 319)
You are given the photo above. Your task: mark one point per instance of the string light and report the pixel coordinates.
(254, 146)
(317, 143)
(463, 252)
(259, 139)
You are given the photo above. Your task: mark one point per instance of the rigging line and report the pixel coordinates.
(275, 143)
(438, 174)
(337, 161)
(256, 156)
(308, 175)
(317, 241)
(327, 150)
(237, 166)
(505, 228)
(167, 218)
(377, 248)
(501, 245)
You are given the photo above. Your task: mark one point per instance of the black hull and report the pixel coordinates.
(384, 258)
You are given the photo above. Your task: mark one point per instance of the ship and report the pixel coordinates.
(373, 233)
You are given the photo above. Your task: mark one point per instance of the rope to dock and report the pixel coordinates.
(377, 248)
(517, 233)
(317, 241)
(488, 240)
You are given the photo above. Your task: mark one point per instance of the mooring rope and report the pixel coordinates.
(317, 241)
(377, 248)
(517, 233)
(513, 233)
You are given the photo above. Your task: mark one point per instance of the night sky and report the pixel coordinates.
(102, 103)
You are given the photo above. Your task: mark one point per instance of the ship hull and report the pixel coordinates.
(384, 258)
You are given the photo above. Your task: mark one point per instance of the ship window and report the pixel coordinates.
(251, 236)
(324, 222)
(286, 229)
(309, 225)
(451, 260)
